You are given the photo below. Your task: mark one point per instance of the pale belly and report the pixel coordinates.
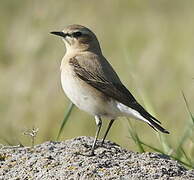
(86, 97)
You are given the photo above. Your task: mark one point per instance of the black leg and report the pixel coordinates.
(99, 125)
(109, 126)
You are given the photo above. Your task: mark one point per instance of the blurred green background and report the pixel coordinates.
(149, 43)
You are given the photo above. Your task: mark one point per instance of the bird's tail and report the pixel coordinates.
(156, 126)
(143, 115)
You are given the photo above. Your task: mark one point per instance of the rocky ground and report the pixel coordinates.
(69, 160)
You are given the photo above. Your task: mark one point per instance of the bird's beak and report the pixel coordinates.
(59, 33)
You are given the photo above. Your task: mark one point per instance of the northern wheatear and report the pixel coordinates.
(91, 83)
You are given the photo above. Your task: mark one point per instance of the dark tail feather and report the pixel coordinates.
(156, 126)
(144, 113)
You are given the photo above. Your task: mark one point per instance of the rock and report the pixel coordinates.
(69, 160)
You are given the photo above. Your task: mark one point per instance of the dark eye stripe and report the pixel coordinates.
(76, 34)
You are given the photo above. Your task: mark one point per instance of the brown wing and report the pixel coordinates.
(112, 88)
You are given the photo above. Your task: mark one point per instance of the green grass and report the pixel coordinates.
(178, 153)
(66, 117)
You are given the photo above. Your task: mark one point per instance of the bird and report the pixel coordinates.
(91, 83)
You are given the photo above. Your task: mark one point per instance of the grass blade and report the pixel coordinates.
(66, 117)
(188, 108)
(173, 157)
(188, 130)
(152, 148)
(187, 158)
(135, 137)
(163, 141)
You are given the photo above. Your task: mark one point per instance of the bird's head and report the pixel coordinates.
(79, 38)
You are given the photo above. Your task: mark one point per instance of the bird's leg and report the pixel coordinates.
(99, 125)
(109, 126)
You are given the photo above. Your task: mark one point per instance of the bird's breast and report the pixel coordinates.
(85, 96)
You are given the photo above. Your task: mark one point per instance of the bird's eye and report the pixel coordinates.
(76, 34)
